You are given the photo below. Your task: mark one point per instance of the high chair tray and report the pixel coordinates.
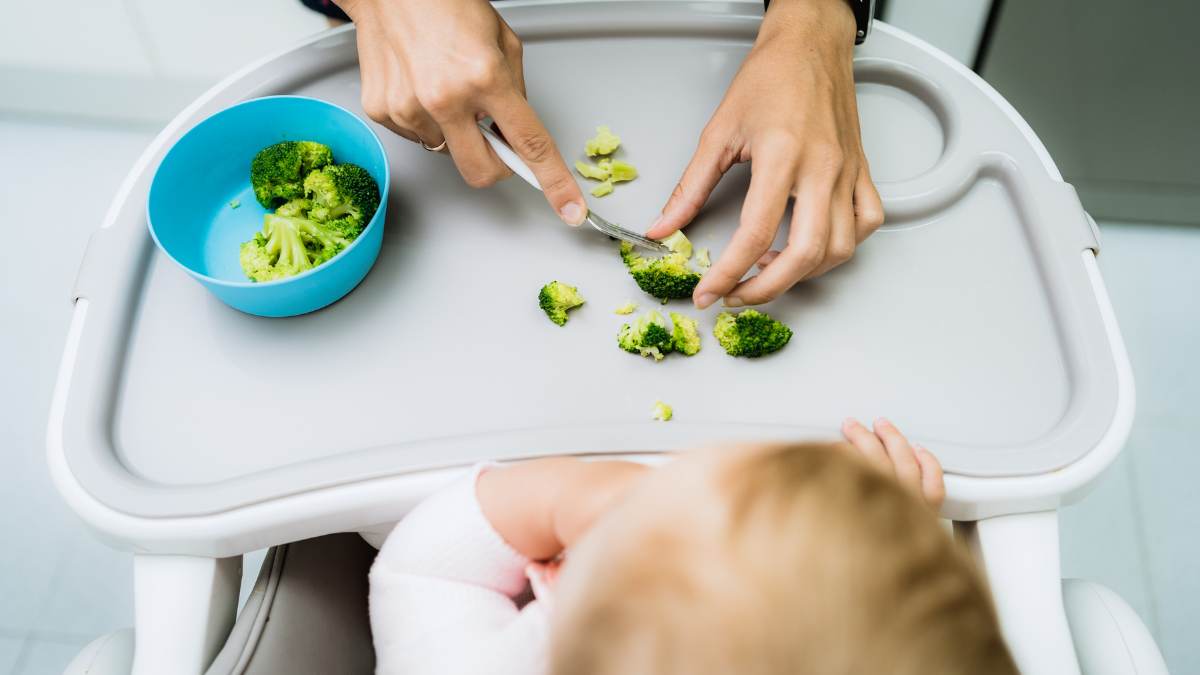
(970, 318)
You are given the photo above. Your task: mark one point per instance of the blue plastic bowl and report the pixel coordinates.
(193, 223)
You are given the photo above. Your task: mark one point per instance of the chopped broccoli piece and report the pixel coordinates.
(678, 242)
(277, 172)
(647, 335)
(666, 278)
(604, 143)
(556, 298)
(343, 196)
(685, 338)
(234, 203)
(750, 333)
(622, 171)
(605, 163)
(662, 412)
(702, 260)
(602, 189)
(290, 243)
(592, 171)
(627, 308)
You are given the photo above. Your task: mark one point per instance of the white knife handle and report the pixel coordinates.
(507, 155)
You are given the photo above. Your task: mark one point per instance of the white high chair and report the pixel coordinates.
(976, 318)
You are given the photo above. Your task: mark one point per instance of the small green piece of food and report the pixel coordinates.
(556, 298)
(647, 336)
(278, 171)
(666, 278)
(592, 171)
(345, 196)
(702, 260)
(602, 189)
(604, 143)
(685, 338)
(627, 308)
(622, 171)
(678, 242)
(292, 242)
(234, 203)
(750, 333)
(662, 412)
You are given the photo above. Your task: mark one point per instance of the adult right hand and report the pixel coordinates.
(432, 68)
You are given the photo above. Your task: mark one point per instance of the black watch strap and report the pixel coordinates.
(863, 10)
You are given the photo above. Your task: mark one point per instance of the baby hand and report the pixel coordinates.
(914, 466)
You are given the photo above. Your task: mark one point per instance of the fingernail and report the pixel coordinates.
(655, 224)
(705, 299)
(731, 301)
(882, 421)
(573, 214)
(849, 422)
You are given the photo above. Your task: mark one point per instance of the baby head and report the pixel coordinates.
(768, 560)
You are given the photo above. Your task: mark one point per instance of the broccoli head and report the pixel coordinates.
(750, 333)
(344, 196)
(290, 243)
(647, 335)
(556, 298)
(277, 172)
(685, 338)
(666, 278)
(662, 412)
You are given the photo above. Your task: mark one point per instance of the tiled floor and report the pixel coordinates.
(59, 587)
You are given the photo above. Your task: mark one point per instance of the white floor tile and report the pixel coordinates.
(1102, 540)
(1154, 281)
(10, 650)
(73, 173)
(181, 34)
(47, 657)
(80, 35)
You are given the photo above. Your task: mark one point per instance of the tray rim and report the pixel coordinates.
(970, 497)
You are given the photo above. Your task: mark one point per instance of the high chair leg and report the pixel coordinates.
(184, 607)
(1020, 556)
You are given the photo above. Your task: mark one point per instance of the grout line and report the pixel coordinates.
(149, 50)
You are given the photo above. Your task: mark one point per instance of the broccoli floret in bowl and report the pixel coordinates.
(343, 195)
(555, 298)
(278, 171)
(647, 335)
(750, 333)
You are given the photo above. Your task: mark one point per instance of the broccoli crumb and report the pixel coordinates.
(750, 333)
(602, 189)
(627, 308)
(555, 298)
(678, 242)
(234, 203)
(593, 171)
(685, 338)
(621, 171)
(702, 259)
(662, 412)
(604, 143)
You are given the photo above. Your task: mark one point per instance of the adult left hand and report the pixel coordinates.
(790, 112)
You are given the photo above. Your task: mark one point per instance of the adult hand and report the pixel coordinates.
(790, 112)
(432, 68)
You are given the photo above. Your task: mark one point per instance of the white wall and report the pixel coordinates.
(133, 60)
